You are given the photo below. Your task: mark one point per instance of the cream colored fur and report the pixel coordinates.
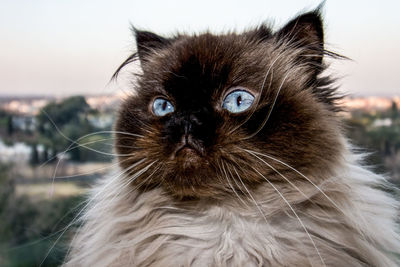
(352, 225)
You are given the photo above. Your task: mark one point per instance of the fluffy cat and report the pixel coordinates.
(232, 153)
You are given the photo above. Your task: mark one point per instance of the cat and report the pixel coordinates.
(232, 152)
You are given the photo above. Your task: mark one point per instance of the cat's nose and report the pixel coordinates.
(187, 129)
(189, 143)
(199, 127)
(196, 126)
(190, 123)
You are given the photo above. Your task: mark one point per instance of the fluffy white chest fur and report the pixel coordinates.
(345, 222)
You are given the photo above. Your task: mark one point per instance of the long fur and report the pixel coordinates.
(126, 228)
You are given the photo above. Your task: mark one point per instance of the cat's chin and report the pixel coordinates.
(190, 176)
(187, 191)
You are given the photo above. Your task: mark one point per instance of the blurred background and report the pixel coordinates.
(56, 61)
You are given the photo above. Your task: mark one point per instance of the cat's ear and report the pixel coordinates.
(148, 42)
(305, 32)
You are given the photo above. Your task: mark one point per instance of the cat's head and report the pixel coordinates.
(215, 114)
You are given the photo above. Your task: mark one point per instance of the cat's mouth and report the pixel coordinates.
(188, 153)
(188, 148)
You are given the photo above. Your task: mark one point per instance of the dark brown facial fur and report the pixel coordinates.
(203, 150)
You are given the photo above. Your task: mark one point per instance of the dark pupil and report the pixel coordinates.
(164, 105)
(239, 100)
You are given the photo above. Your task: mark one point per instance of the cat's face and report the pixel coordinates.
(208, 106)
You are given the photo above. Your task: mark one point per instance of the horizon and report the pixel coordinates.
(112, 94)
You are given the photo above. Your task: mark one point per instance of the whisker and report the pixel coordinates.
(295, 213)
(270, 110)
(251, 196)
(72, 148)
(298, 172)
(261, 91)
(45, 237)
(122, 173)
(129, 181)
(236, 183)
(126, 173)
(227, 179)
(270, 69)
(101, 152)
(83, 145)
(283, 176)
(73, 221)
(140, 172)
(69, 139)
(89, 148)
(150, 177)
(92, 171)
(292, 184)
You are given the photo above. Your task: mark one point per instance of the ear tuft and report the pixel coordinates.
(147, 42)
(260, 34)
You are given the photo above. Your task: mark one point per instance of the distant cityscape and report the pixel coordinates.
(32, 105)
(371, 103)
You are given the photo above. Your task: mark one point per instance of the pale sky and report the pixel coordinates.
(73, 47)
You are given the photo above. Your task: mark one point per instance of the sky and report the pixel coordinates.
(70, 47)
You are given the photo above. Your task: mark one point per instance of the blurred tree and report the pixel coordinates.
(34, 160)
(7, 188)
(394, 111)
(45, 154)
(68, 117)
(69, 110)
(10, 126)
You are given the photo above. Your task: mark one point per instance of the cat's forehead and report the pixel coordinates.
(209, 52)
(207, 48)
(206, 64)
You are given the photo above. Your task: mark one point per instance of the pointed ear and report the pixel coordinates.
(147, 42)
(305, 31)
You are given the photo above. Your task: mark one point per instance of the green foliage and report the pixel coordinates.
(97, 143)
(70, 117)
(7, 190)
(3, 117)
(29, 229)
(33, 228)
(68, 111)
(34, 160)
(10, 126)
(6, 127)
(394, 111)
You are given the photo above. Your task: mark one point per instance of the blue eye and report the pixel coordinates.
(162, 107)
(238, 101)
